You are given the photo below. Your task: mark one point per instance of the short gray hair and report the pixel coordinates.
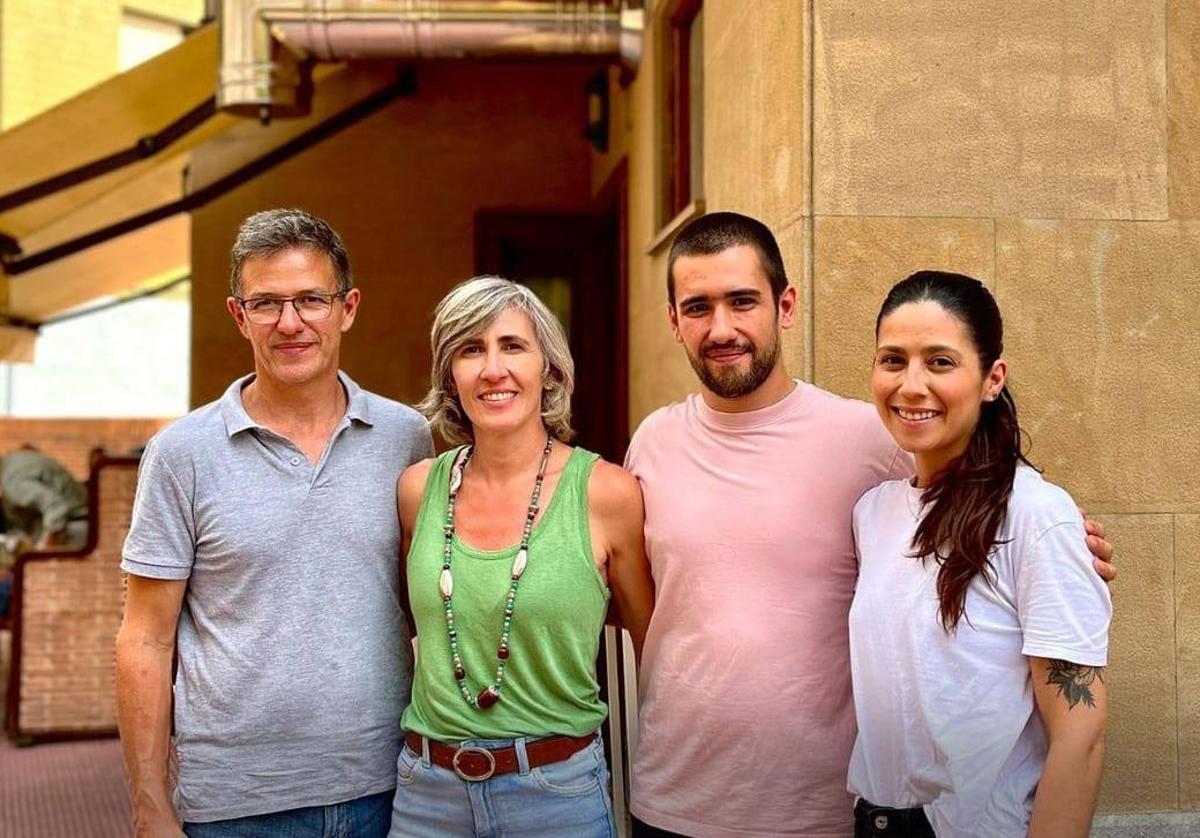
(274, 231)
(469, 309)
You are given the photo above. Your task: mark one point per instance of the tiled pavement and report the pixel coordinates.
(62, 790)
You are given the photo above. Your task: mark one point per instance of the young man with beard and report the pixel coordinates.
(263, 549)
(746, 720)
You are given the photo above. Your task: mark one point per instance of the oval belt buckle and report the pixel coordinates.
(474, 778)
(881, 822)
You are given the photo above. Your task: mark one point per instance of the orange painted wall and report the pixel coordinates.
(402, 188)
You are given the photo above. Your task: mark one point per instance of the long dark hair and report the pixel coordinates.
(966, 502)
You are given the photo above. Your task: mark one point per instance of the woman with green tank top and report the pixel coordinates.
(513, 543)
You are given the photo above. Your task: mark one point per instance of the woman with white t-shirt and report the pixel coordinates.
(978, 631)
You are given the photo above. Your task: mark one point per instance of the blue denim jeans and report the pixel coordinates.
(567, 799)
(364, 817)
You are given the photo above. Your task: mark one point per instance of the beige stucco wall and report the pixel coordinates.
(402, 187)
(1053, 150)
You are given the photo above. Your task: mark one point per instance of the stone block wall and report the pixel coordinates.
(1053, 151)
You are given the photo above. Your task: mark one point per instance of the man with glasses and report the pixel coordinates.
(263, 550)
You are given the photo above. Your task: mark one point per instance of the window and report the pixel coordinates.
(682, 151)
(141, 37)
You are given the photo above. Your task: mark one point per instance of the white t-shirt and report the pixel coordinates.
(948, 721)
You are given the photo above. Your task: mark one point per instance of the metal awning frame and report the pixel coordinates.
(146, 147)
(17, 263)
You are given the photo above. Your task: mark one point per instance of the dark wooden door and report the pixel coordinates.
(574, 262)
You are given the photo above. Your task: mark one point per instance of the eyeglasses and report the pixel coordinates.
(311, 308)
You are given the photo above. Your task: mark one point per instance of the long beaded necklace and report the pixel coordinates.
(489, 695)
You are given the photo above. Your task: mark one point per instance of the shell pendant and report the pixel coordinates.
(519, 563)
(456, 470)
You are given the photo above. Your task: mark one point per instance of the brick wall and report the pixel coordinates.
(70, 441)
(70, 614)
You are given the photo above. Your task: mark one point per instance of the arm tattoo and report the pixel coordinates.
(1075, 681)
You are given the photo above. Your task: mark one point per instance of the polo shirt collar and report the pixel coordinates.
(358, 408)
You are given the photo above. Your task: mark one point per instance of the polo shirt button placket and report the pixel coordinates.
(295, 461)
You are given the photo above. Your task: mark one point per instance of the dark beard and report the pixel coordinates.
(732, 384)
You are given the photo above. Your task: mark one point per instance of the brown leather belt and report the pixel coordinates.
(477, 764)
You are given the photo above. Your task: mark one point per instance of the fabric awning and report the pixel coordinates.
(108, 119)
(169, 96)
(125, 229)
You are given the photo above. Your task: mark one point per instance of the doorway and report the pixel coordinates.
(575, 263)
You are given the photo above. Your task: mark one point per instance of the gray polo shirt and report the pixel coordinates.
(294, 657)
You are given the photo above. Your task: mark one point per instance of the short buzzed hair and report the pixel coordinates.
(274, 231)
(716, 232)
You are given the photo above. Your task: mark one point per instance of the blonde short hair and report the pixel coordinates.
(469, 309)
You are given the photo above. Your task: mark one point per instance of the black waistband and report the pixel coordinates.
(871, 820)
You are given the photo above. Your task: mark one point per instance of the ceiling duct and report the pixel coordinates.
(266, 45)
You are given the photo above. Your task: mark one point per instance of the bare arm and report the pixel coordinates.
(410, 488)
(145, 648)
(1073, 703)
(615, 504)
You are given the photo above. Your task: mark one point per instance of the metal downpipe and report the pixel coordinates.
(268, 45)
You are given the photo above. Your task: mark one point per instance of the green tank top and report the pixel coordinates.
(550, 681)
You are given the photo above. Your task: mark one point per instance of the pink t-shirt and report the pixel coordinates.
(746, 717)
